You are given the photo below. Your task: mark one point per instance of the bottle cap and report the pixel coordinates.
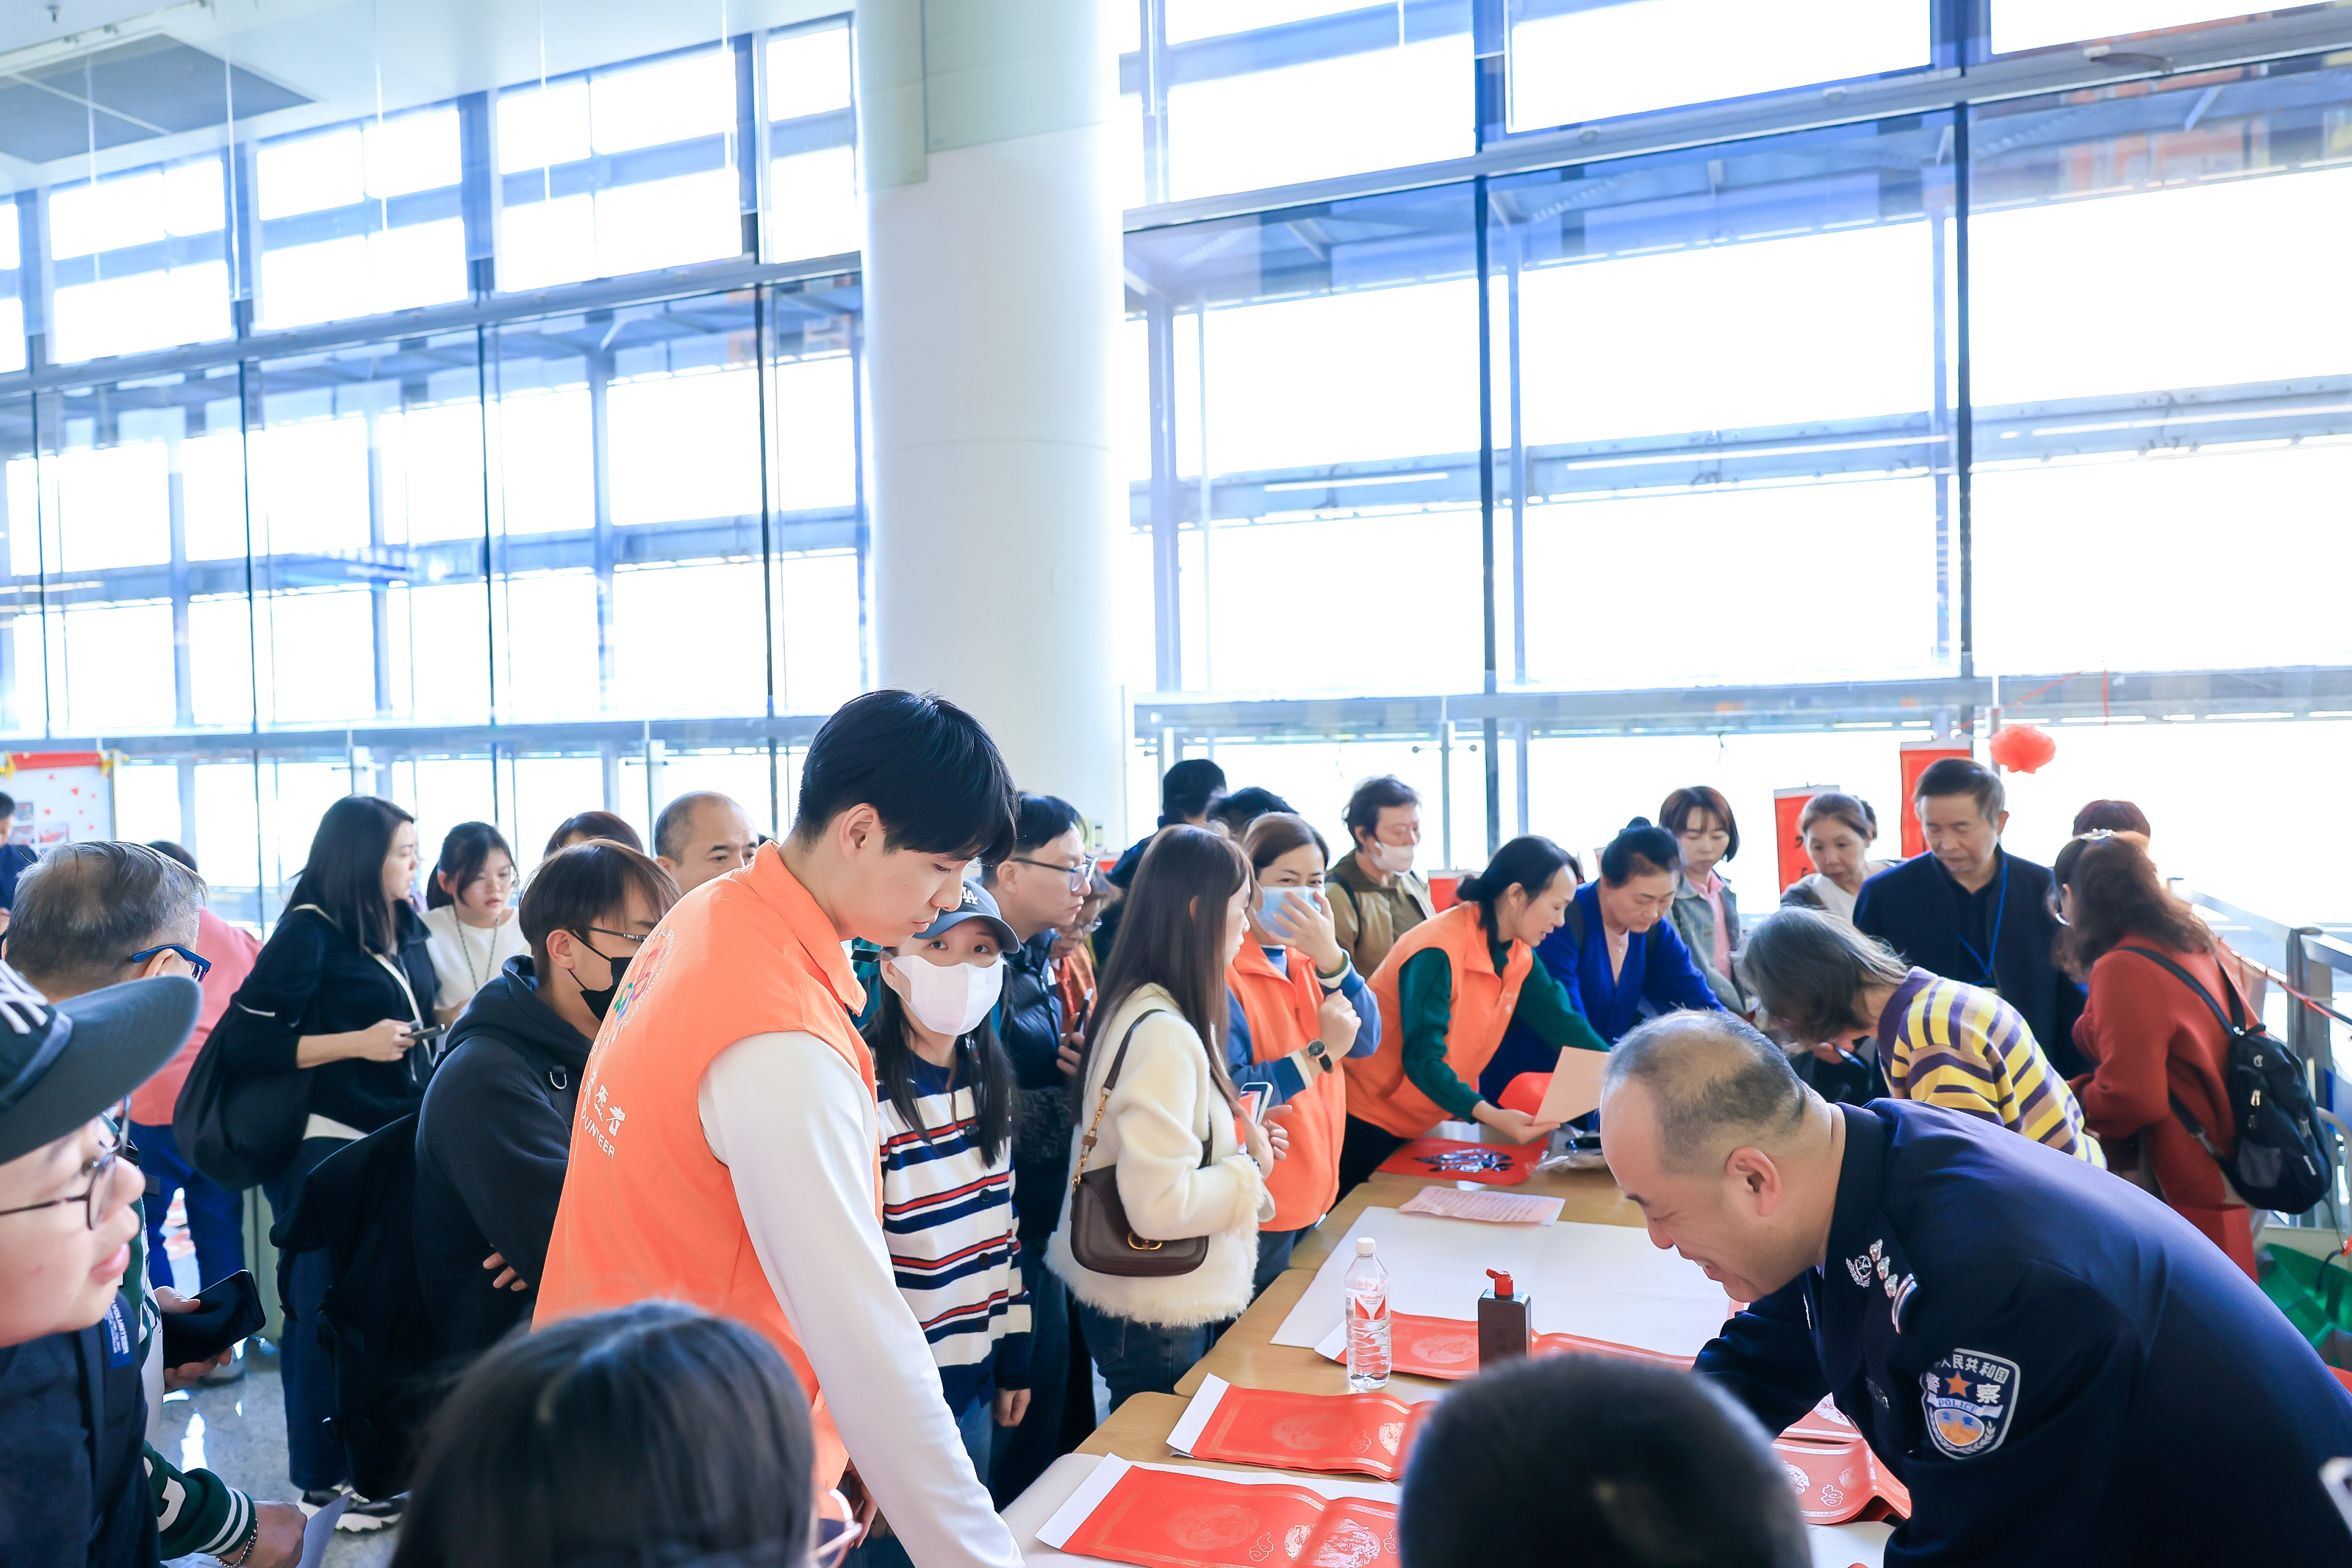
(1363, 1246)
(1502, 1283)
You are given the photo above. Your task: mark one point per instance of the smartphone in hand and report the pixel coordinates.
(226, 1312)
(1253, 1098)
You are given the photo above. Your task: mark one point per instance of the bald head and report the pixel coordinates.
(1733, 1163)
(1711, 1083)
(701, 836)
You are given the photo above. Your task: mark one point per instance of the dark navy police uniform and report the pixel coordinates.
(2060, 1368)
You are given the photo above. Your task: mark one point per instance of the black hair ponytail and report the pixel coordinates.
(979, 1059)
(1530, 861)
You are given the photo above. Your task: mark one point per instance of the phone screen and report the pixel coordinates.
(1253, 1098)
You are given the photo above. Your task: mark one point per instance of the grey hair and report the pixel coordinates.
(677, 819)
(1810, 968)
(81, 911)
(1716, 1082)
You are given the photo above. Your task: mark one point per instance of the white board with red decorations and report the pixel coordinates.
(62, 797)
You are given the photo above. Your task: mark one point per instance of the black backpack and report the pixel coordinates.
(2281, 1163)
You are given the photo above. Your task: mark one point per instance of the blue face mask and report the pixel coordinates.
(1271, 901)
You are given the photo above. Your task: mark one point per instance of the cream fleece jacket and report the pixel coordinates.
(1151, 1134)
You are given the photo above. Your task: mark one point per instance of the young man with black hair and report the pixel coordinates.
(1970, 911)
(1188, 793)
(724, 1152)
(1576, 1462)
(494, 1134)
(1039, 888)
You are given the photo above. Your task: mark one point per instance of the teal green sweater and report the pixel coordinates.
(1425, 999)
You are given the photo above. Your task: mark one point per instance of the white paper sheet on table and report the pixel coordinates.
(1484, 1204)
(1840, 1546)
(1601, 1282)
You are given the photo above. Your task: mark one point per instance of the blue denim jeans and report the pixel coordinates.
(215, 1224)
(314, 1459)
(1141, 1358)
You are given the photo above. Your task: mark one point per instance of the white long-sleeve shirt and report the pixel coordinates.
(807, 1197)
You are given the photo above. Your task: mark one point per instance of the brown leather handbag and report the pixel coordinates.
(1100, 1237)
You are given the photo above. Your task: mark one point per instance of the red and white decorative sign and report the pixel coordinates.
(62, 797)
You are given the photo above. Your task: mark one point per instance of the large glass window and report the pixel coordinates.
(361, 219)
(813, 207)
(2038, 23)
(625, 169)
(1574, 60)
(139, 260)
(2171, 471)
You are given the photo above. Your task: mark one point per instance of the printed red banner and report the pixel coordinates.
(1170, 1519)
(1841, 1482)
(1361, 1434)
(1498, 1165)
(1447, 1348)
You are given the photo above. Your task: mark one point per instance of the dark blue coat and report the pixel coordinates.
(1658, 976)
(2060, 1368)
(1914, 908)
(73, 1421)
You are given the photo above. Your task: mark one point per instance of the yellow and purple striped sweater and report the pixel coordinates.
(1961, 1047)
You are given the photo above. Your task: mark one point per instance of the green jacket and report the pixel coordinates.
(1426, 1009)
(1368, 917)
(195, 1510)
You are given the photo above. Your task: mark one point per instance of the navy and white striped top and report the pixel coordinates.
(947, 1218)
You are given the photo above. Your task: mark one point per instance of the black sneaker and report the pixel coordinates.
(363, 1514)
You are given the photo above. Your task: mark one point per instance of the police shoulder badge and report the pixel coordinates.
(1969, 1399)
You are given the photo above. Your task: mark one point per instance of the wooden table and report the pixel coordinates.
(1247, 1354)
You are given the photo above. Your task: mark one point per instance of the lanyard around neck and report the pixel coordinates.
(2000, 906)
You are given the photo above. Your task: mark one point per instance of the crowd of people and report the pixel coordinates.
(779, 1201)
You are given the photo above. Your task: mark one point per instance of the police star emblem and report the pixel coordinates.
(1969, 1398)
(1859, 1270)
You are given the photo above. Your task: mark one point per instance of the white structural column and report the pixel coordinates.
(993, 296)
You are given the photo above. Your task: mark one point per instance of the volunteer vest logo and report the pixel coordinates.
(642, 974)
(1969, 1398)
(602, 1117)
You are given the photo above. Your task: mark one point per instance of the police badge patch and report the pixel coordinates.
(1969, 1398)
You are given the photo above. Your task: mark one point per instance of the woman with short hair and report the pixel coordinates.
(1831, 990)
(1705, 912)
(1837, 830)
(2156, 1049)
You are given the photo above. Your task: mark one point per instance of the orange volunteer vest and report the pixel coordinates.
(647, 1212)
(1283, 1015)
(1378, 1092)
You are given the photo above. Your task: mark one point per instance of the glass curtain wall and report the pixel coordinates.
(456, 559)
(1923, 423)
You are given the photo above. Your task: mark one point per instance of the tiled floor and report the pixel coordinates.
(238, 1431)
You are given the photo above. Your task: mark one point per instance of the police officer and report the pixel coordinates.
(2059, 1367)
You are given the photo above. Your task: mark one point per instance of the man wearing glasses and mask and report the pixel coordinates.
(75, 1472)
(90, 918)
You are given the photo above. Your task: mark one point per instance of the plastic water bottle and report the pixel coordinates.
(1368, 1320)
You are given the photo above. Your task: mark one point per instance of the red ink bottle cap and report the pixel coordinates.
(1502, 1283)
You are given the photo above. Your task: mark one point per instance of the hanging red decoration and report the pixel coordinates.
(2020, 748)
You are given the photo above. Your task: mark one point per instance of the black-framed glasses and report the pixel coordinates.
(634, 938)
(1078, 874)
(197, 961)
(93, 1198)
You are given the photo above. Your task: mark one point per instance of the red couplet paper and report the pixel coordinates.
(1824, 1423)
(1498, 1165)
(1363, 1433)
(1447, 1348)
(1165, 1519)
(1840, 1482)
(1787, 806)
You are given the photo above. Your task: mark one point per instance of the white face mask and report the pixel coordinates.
(947, 999)
(1389, 859)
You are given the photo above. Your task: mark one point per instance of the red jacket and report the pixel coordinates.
(2150, 1038)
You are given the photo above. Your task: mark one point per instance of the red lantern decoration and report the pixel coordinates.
(2020, 748)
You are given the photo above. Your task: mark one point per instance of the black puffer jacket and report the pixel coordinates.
(492, 1143)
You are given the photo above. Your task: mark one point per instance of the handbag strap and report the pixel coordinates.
(2234, 1019)
(1110, 1079)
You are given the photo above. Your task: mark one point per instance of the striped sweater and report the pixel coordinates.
(948, 1221)
(1962, 1047)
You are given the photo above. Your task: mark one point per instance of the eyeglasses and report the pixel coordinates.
(1079, 875)
(93, 1198)
(634, 938)
(834, 1537)
(197, 961)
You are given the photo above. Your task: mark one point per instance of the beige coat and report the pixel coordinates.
(1368, 917)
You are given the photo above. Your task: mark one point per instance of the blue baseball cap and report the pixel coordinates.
(977, 905)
